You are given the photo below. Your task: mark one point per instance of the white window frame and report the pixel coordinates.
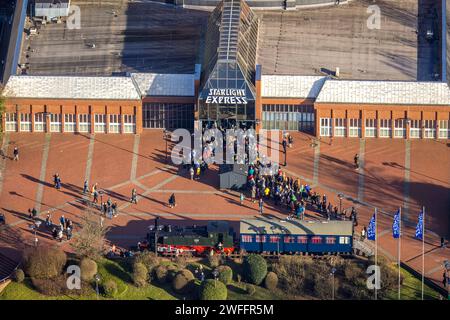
(99, 123)
(340, 127)
(11, 122)
(415, 130)
(55, 122)
(25, 122)
(371, 128)
(129, 123)
(444, 129)
(385, 128)
(429, 129)
(84, 122)
(399, 128)
(70, 122)
(344, 240)
(114, 123)
(325, 127)
(40, 122)
(354, 129)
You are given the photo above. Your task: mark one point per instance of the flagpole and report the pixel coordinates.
(399, 249)
(376, 252)
(423, 247)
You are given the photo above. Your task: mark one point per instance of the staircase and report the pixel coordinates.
(7, 267)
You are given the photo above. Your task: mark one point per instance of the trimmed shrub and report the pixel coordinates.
(213, 290)
(88, 269)
(110, 288)
(172, 271)
(255, 268)
(50, 287)
(225, 274)
(214, 260)
(19, 275)
(140, 274)
(183, 259)
(161, 273)
(149, 259)
(271, 281)
(183, 282)
(250, 289)
(44, 262)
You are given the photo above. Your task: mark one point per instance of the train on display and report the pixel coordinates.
(258, 235)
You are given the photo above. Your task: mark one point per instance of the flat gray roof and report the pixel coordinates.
(275, 86)
(157, 84)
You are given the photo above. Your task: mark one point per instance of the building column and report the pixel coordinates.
(392, 124)
(332, 124)
(258, 102)
(138, 116)
(47, 119)
(18, 113)
(92, 118)
(77, 120)
(347, 124)
(122, 122)
(107, 119)
(362, 116)
(378, 125)
(407, 125)
(436, 124)
(32, 118)
(63, 119)
(422, 125)
(317, 121)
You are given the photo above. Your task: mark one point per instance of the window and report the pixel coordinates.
(354, 128)
(259, 238)
(444, 132)
(25, 122)
(84, 124)
(330, 240)
(430, 129)
(129, 123)
(385, 128)
(316, 240)
(11, 121)
(302, 239)
(274, 239)
(55, 122)
(246, 238)
(70, 123)
(371, 128)
(340, 127)
(39, 122)
(100, 123)
(325, 127)
(399, 128)
(289, 239)
(414, 129)
(114, 123)
(344, 240)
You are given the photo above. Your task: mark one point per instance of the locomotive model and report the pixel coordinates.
(255, 235)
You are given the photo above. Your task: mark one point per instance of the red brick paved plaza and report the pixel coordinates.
(393, 173)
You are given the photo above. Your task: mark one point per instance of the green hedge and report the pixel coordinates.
(255, 268)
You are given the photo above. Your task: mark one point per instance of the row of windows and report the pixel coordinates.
(339, 128)
(294, 239)
(84, 120)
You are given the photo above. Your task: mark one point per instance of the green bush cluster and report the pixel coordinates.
(88, 269)
(140, 274)
(271, 280)
(19, 275)
(225, 274)
(255, 268)
(183, 282)
(213, 290)
(110, 288)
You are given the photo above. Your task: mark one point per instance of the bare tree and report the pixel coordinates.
(90, 240)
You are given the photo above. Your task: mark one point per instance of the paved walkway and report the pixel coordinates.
(392, 173)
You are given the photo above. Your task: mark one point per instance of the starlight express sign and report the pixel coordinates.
(226, 96)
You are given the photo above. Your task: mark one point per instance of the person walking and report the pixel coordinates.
(134, 196)
(62, 220)
(261, 205)
(356, 161)
(69, 233)
(172, 201)
(16, 153)
(191, 172)
(363, 233)
(95, 193)
(85, 187)
(242, 198)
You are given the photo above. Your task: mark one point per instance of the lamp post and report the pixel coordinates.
(97, 280)
(333, 271)
(340, 196)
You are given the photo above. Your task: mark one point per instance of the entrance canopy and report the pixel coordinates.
(228, 74)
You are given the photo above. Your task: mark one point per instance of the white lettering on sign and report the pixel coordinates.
(226, 96)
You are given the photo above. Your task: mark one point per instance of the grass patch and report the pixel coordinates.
(412, 289)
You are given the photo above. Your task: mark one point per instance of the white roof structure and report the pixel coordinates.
(159, 84)
(63, 87)
(291, 86)
(384, 92)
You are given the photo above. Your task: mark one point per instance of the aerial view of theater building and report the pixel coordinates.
(333, 117)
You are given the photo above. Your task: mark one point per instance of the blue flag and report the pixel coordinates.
(419, 227)
(371, 229)
(396, 225)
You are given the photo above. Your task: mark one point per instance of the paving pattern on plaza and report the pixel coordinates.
(393, 173)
